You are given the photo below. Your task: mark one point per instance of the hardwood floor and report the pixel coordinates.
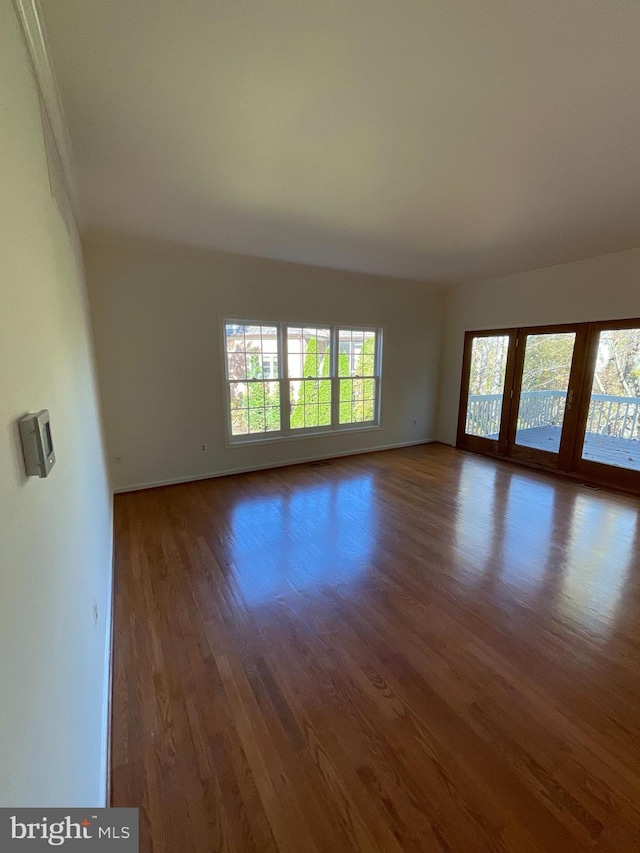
(415, 650)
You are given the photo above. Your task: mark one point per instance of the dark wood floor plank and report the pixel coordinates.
(403, 651)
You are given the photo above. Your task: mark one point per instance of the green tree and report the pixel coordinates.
(364, 390)
(346, 388)
(255, 404)
(618, 365)
(312, 406)
(488, 363)
(324, 392)
(547, 362)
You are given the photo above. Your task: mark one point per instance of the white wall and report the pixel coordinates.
(55, 534)
(157, 313)
(604, 288)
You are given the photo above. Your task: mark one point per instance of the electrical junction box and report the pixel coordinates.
(37, 444)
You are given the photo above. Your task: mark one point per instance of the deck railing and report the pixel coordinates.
(608, 415)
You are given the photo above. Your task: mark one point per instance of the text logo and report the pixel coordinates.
(75, 829)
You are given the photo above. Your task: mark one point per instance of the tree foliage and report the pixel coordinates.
(618, 364)
(346, 389)
(547, 362)
(255, 397)
(255, 405)
(488, 364)
(312, 406)
(364, 389)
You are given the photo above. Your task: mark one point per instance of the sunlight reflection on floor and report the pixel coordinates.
(503, 534)
(318, 535)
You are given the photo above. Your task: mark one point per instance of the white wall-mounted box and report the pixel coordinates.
(37, 444)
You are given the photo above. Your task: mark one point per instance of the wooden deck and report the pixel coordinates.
(606, 449)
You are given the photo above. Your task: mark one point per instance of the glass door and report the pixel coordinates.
(540, 427)
(565, 398)
(609, 425)
(483, 414)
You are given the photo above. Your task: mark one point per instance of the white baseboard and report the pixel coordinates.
(136, 487)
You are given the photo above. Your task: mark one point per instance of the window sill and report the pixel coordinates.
(297, 436)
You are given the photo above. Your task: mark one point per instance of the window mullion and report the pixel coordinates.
(283, 368)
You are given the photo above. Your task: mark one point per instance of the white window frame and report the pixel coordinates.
(285, 432)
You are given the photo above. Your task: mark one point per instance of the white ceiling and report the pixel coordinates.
(435, 139)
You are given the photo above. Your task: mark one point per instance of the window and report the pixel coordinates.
(309, 375)
(292, 379)
(356, 369)
(254, 402)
